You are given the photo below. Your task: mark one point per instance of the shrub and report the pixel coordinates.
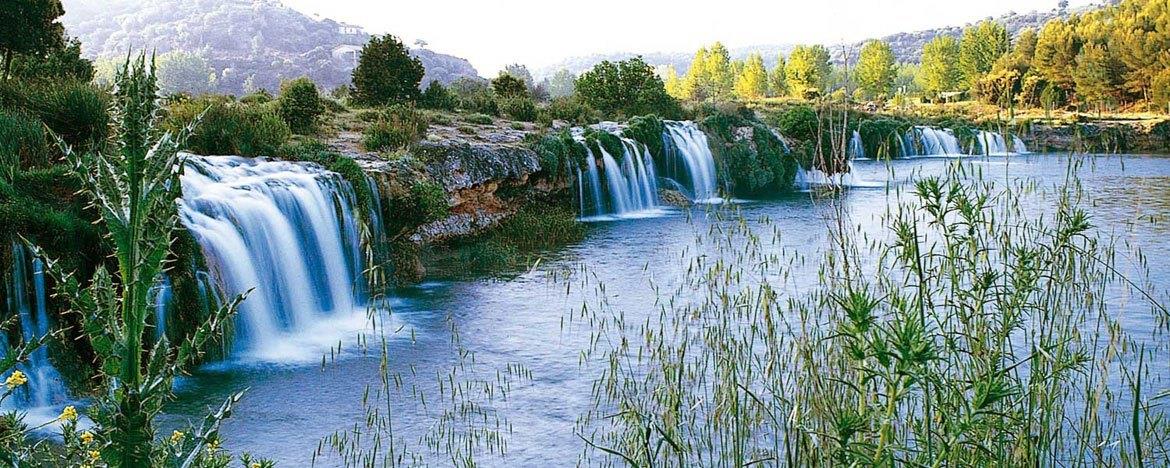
(570, 109)
(437, 97)
(479, 119)
(75, 111)
(229, 127)
(438, 119)
(558, 152)
(508, 86)
(22, 143)
(518, 108)
(424, 202)
(399, 127)
(473, 95)
(648, 130)
(466, 130)
(799, 122)
(882, 138)
(300, 104)
(259, 96)
(759, 165)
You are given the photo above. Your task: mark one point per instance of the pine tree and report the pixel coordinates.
(1096, 75)
(778, 78)
(29, 27)
(1056, 51)
(752, 82)
(386, 73)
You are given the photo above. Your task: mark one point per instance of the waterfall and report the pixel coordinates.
(27, 300)
(159, 297)
(686, 143)
(624, 188)
(856, 148)
(286, 229)
(994, 144)
(930, 141)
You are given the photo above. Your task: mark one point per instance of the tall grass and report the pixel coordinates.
(973, 331)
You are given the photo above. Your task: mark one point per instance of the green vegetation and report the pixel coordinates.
(875, 69)
(437, 97)
(300, 105)
(508, 87)
(516, 242)
(133, 193)
(223, 126)
(626, 89)
(386, 73)
(753, 166)
(397, 127)
(808, 70)
(29, 27)
(559, 153)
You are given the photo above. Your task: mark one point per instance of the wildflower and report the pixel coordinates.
(213, 445)
(255, 465)
(15, 380)
(94, 454)
(68, 414)
(87, 437)
(177, 437)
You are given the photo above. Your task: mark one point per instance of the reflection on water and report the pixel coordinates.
(289, 408)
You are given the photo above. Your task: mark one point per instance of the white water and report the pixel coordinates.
(923, 141)
(159, 297)
(27, 300)
(289, 231)
(687, 144)
(856, 148)
(628, 188)
(994, 144)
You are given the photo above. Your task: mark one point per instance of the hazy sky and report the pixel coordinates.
(492, 33)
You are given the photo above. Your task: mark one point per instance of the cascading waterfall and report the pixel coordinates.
(930, 141)
(159, 297)
(629, 187)
(27, 299)
(994, 143)
(286, 229)
(684, 142)
(856, 148)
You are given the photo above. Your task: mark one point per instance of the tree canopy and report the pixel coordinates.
(29, 27)
(808, 69)
(626, 89)
(875, 68)
(386, 72)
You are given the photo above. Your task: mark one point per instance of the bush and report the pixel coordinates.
(398, 127)
(882, 138)
(76, 112)
(625, 89)
(259, 96)
(22, 143)
(474, 96)
(479, 119)
(570, 109)
(229, 127)
(424, 202)
(799, 122)
(518, 108)
(759, 165)
(558, 153)
(437, 97)
(300, 105)
(648, 130)
(507, 86)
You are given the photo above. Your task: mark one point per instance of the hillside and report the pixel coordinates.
(258, 39)
(907, 46)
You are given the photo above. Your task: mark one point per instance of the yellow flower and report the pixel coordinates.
(213, 445)
(87, 437)
(68, 414)
(94, 454)
(15, 380)
(255, 465)
(177, 437)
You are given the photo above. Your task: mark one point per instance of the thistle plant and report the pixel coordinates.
(133, 183)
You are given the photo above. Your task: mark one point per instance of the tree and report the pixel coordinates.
(980, 47)
(1024, 47)
(437, 97)
(1096, 75)
(521, 72)
(1139, 40)
(181, 72)
(300, 104)
(509, 86)
(561, 84)
(676, 87)
(57, 64)
(1160, 92)
(778, 78)
(1056, 52)
(626, 89)
(710, 76)
(939, 71)
(875, 68)
(386, 73)
(752, 82)
(808, 69)
(29, 27)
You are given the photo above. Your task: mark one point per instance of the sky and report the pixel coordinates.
(538, 33)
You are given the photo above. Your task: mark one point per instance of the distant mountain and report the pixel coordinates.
(256, 41)
(907, 46)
